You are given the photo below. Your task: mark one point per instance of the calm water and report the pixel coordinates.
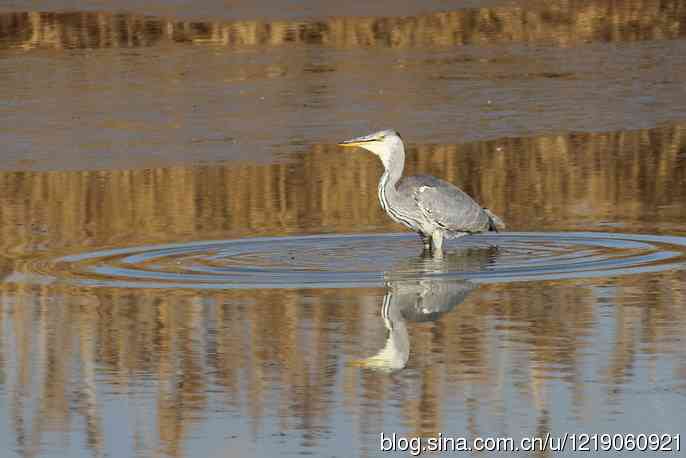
(190, 267)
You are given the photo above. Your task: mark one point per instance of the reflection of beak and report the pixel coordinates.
(374, 362)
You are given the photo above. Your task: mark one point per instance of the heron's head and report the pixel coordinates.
(384, 143)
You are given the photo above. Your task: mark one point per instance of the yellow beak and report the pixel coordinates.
(357, 141)
(349, 144)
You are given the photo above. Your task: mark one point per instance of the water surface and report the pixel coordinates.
(190, 267)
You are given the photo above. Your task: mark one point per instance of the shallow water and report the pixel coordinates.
(355, 261)
(190, 267)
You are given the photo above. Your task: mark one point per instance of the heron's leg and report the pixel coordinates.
(437, 243)
(426, 241)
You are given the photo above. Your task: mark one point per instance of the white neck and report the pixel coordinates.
(393, 160)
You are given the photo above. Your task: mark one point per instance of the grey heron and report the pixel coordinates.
(417, 290)
(428, 205)
(417, 300)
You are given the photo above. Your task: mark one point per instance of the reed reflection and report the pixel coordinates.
(560, 182)
(559, 23)
(175, 360)
(424, 296)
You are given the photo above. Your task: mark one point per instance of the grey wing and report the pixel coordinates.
(446, 204)
(425, 299)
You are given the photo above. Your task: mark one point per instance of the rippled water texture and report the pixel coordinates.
(350, 261)
(190, 266)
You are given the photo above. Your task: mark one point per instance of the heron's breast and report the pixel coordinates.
(403, 211)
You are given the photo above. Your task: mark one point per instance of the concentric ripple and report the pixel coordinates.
(365, 260)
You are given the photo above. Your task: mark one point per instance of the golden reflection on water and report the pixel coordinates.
(632, 180)
(156, 370)
(278, 354)
(560, 23)
(283, 354)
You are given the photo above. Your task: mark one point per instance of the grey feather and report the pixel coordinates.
(446, 204)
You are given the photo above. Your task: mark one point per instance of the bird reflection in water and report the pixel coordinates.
(419, 290)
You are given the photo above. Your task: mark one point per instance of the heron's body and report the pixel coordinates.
(430, 206)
